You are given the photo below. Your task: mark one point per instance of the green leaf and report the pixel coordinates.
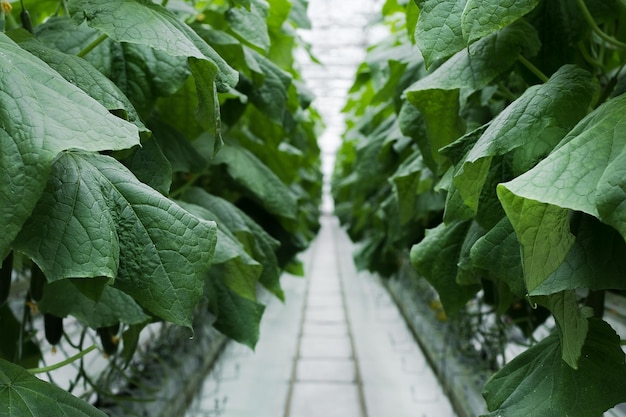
(272, 95)
(237, 317)
(63, 34)
(250, 26)
(145, 74)
(83, 75)
(9, 343)
(596, 261)
(483, 17)
(177, 149)
(22, 394)
(584, 173)
(539, 383)
(479, 64)
(572, 325)
(498, 252)
(64, 298)
(543, 231)
(532, 126)
(259, 181)
(257, 242)
(231, 263)
(208, 111)
(95, 219)
(410, 180)
(440, 109)
(150, 166)
(438, 33)
(42, 115)
(146, 23)
(436, 257)
(298, 14)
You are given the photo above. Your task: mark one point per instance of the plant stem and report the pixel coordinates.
(596, 29)
(62, 363)
(191, 181)
(92, 45)
(533, 68)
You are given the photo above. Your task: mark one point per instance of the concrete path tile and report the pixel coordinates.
(325, 400)
(318, 347)
(326, 329)
(325, 370)
(324, 314)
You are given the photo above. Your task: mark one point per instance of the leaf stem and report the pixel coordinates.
(190, 181)
(92, 45)
(62, 363)
(532, 68)
(596, 29)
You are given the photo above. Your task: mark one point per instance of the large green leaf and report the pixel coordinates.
(438, 33)
(65, 298)
(145, 74)
(272, 95)
(532, 126)
(250, 25)
(83, 75)
(483, 17)
(259, 181)
(24, 395)
(476, 66)
(543, 231)
(231, 263)
(236, 316)
(596, 261)
(410, 180)
(440, 109)
(584, 173)
(146, 23)
(256, 241)
(498, 252)
(28, 354)
(436, 258)
(539, 383)
(572, 324)
(41, 115)
(95, 219)
(63, 34)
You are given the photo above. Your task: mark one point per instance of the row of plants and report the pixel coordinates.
(156, 157)
(485, 144)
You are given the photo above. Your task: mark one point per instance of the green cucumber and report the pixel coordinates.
(109, 338)
(37, 281)
(53, 327)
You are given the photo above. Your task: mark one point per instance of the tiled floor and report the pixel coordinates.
(337, 347)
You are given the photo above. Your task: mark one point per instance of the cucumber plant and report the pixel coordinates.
(158, 157)
(484, 144)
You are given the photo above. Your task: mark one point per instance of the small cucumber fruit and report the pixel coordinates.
(53, 327)
(37, 281)
(109, 338)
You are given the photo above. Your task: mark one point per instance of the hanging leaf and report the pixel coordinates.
(538, 382)
(147, 23)
(96, 220)
(22, 394)
(483, 17)
(42, 115)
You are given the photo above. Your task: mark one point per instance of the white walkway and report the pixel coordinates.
(337, 348)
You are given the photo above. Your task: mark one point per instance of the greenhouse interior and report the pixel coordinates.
(312, 208)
